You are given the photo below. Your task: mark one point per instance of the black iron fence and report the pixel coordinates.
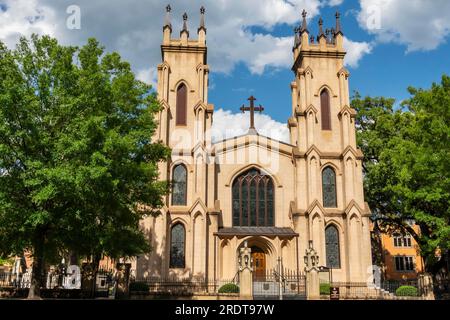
(182, 287)
(442, 289)
(363, 290)
(60, 284)
(357, 290)
(273, 284)
(392, 285)
(15, 280)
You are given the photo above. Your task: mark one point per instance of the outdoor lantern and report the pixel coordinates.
(246, 260)
(240, 260)
(313, 260)
(317, 259)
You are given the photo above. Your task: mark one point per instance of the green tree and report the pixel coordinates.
(78, 167)
(406, 166)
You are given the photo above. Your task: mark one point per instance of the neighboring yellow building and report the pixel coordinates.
(400, 256)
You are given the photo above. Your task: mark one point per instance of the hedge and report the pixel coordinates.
(229, 288)
(406, 291)
(324, 288)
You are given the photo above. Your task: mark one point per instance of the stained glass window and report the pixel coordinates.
(269, 199)
(253, 200)
(177, 237)
(329, 188)
(325, 110)
(332, 247)
(179, 189)
(181, 105)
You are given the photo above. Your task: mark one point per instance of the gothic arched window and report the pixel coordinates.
(329, 188)
(179, 188)
(177, 246)
(325, 110)
(181, 113)
(332, 247)
(253, 200)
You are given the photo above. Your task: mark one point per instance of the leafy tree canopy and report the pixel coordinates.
(407, 163)
(78, 167)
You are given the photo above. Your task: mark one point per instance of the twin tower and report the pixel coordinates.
(321, 113)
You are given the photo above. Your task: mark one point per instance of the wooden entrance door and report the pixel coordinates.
(259, 263)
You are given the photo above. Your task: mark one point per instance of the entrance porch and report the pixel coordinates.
(268, 245)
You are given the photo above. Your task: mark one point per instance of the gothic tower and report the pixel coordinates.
(183, 125)
(322, 128)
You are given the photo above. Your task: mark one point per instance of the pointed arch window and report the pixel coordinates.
(253, 200)
(177, 246)
(179, 185)
(325, 110)
(181, 112)
(332, 247)
(329, 188)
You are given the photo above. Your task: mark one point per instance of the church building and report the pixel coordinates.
(278, 198)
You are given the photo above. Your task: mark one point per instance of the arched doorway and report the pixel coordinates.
(259, 263)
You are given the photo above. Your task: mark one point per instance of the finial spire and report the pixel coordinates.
(185, 28)
(304, 23)
(333, 35)
(321, 34)
(202, 19)
(338, 23)
(167, 20)
(327, 35)
(297, 38)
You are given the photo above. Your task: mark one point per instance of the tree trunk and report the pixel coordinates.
(95, 266)
(37, 271)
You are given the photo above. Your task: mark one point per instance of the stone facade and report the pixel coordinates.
(212, 238)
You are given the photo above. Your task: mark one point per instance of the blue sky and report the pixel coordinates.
(387, 71)
(391, 44)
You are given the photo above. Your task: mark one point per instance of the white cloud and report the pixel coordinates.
(149, 76)
(227, 125)
(419, 24)
(23, 18)
(355, 52)
(264, 51)
(134, 28)
(335, 2)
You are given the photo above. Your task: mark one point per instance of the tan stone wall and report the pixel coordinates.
(296, 169)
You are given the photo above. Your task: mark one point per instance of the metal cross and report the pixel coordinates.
(252, 110)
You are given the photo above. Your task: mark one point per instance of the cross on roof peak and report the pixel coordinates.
(252, 110)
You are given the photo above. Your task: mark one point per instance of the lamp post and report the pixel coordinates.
(280, 277)
(311, 259)
(62, 273)
(245, 272)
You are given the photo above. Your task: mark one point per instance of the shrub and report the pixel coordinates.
(324, 288)
(139, 287)
(406, 291)
(229, 288)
